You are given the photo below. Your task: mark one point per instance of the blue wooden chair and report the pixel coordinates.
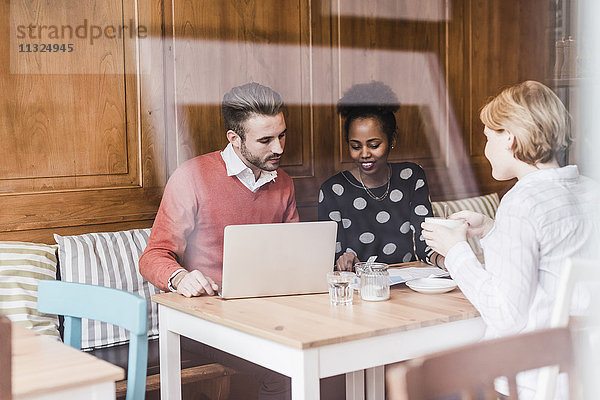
(127, 310)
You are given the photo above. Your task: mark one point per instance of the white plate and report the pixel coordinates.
(431, 285)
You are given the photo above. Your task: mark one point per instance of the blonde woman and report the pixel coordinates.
(550, 214)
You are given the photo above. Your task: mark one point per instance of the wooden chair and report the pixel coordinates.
(468, 372)
(574, 272)
(5, 359)
(128, 310)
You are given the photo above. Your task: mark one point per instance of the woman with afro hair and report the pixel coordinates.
(379, 206)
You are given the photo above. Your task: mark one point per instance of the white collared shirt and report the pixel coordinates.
(236, 167)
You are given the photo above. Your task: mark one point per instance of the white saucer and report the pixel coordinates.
(432, 285)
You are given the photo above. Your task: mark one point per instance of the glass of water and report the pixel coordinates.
(340, 288)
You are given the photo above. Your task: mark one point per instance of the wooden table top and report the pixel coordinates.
(307, 321)
(42, 364)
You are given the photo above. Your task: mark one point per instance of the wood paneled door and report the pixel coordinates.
(81, 128)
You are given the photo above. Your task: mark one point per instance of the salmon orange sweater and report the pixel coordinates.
(198, 202)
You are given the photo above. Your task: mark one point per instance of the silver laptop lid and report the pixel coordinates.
(277, 259)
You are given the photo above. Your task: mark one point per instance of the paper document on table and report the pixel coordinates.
(399, 275)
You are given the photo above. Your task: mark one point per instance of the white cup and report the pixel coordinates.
(448, 223)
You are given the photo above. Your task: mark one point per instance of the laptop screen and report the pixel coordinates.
(277, 259)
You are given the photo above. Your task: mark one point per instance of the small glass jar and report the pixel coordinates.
(374, 281)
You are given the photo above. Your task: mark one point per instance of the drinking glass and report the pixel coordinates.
(340, 288)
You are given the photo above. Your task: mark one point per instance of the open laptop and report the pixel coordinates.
(277, 259)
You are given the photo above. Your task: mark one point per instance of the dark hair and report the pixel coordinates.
(248, 100)
(370, 100)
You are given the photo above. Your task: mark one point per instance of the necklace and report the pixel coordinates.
(371, 194)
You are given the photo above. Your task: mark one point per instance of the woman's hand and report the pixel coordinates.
(439, 261)
(346, 262)
(442, 239)
(478, 224)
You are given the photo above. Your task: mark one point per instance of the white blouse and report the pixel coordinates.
(548, 216)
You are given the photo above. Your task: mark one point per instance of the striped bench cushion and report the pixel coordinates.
(486, 205)
(22, 265)
(107, 259)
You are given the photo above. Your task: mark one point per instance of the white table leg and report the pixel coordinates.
(376, 383)
(355, 385)
(170, 359)
(305, 381)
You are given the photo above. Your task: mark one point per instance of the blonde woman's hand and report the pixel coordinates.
(442, 239)
(478, 224)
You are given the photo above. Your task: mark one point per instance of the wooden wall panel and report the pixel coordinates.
(218, 45)
(221, 44)
(414, 56)
(443, 61)
(44, 122)
(510, 43)
(407, 56)
(89, 139)
(83, 150)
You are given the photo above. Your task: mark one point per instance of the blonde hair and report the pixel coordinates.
(535, 116)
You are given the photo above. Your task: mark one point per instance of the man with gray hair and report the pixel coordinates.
(240, 185)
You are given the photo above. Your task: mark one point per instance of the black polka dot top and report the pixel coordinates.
(389, 229)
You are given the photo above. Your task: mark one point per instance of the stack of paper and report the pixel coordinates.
(399, 275)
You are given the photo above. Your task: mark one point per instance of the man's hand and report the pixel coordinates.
(442, 239)
(346, 262)
(478, 224)
(193, 283)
